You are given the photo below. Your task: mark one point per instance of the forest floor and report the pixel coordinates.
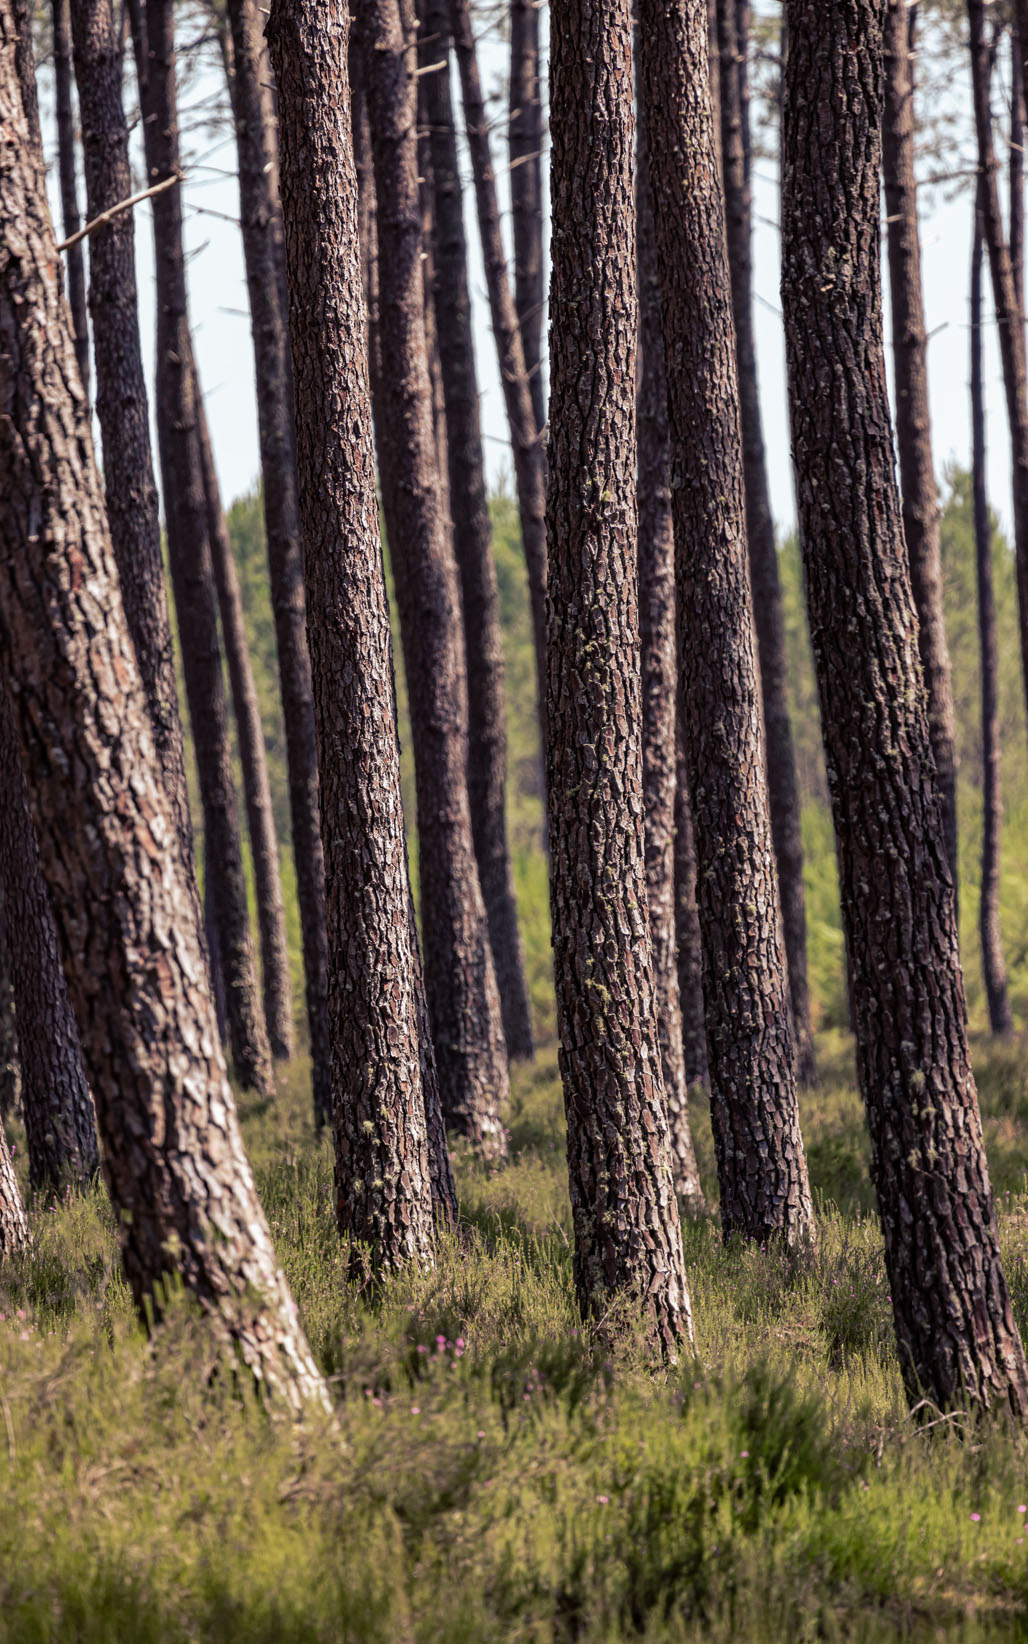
(495, 1474)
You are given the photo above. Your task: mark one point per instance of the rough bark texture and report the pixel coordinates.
(761, 1167)
(1015, 169)
(994, 968)
(472, 539)
(769, 618)
(189, 554)
(687, 930)
(179, 1180)
(460, 978)
(10, 1066)
(121, 397)
(261, 221)
(383, 1190)
(918, 488)
(14, 1229)
(659, 659)
(60, 1130)
(74, 258)
(524, 149)
(25, 65)
(956, 1336)
(253, 755)
(627, 1236)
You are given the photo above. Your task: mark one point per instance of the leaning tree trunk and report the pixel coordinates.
(659, 659)
(189, 552)
(761, 1167)
(69, 187)
(60, 1129)
(383, 1188)
(994, 968)
(263, 251)
(913, 418)
(783, 790)
(524, 149)
(687, 929)
(181, 1187)
(472, 538)
(956, 1335)
(460, 978)
(627, 1236)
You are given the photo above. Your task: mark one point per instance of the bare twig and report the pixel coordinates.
(115, 210)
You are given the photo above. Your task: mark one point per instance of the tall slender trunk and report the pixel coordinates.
(524, 149)
(688, 937)
(1015, 169)
(782, 785)
(913, 418)
(994, 968)
(472, 536)
(750, 1044)
(74, 260)
(460, 978)
(383, 1189)
(14, 1229)
(263, 251)
(189, 551)
(659, 659)
(957, 1340)
(181, 1187)
(10, 1063)
(627, 1236)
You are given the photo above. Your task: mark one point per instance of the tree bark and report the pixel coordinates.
(25, 64)
(524, 149)
(955, 1332)
(659, 661)
(761, 1167)
(10, 1063)
(460, 978)
(60, 1129)
(688, 938)
(625, 1214)
(1015, 169)
(913, 418)
(14, 1229)
(75, 263)
(261, 220)
(782, 785)
(472, 536)
(383, 1188)
(179, 1180)
(189, 553)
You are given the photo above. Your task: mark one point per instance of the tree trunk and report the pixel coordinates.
(261, 221)
(25, 67)
(659, 660)
(253, 755)
(1015, 170)
(993, 964)
(181, 1187)
(913, 419)
(189, 554)
(956, 1336)
(10, 1064)
(460, 978)
(782, 785)
(14, 1229)
(121, 397)
(383, 1188)
(524, 148)
(627, 1237)
(687, 929)
(75, 263)
(761, 1167)
(472, 535)
(60, 1130)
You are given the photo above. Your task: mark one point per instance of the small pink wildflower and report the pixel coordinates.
(744, 1454)
(976, 1518)
(603, 1500)
(1022, 1508)
(415, 1409)
(481, 1432)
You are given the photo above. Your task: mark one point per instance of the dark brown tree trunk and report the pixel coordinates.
(472, 537)
(25, 64)
(782, 785)
(10, 1065)
(993, 964)
(525, 435)
(261, 220)
(627, 1235)
(189, 553)
(460, 978)
(750, 1044)
(956, 1336)
(253, 755)
(687, 930)
(383, 1187)
(121, 397)
(1015, 169)
(59, 1124)
(179, 1180)
(659, 658)
(524, 148)
(210, 930)
(74, 260)
(913, 419)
